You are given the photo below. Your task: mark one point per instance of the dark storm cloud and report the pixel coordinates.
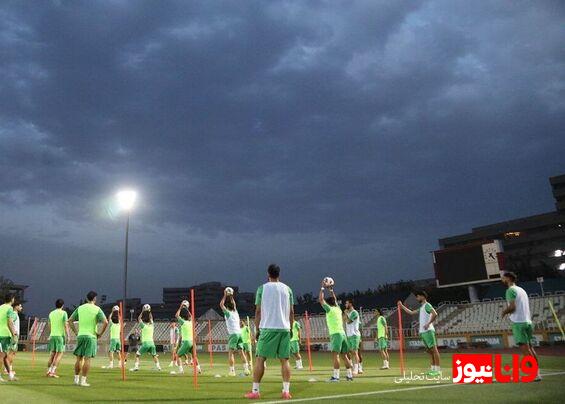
(375, 123)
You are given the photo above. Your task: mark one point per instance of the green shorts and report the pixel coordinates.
(56, 344)
(428, 338)
(382, 343)
(274, 344)
(185, 348)
(14, 346)
(115, 345)
(235, 342)
(247, 346)
(294, 347)
(523, 333)
(86, 346)
(5, 343)
(147, 347)
(338, 343)
(354, 341)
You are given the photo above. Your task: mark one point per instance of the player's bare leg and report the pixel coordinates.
(285, 373)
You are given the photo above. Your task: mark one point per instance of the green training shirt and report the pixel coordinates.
(295, 330)
(88, 316)
(57, 320)
(185, 329)
(6, 311)
(114, 330)
(381, 327)
(147, 333)
(333, 319)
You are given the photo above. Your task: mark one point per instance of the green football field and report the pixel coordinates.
(374, 385)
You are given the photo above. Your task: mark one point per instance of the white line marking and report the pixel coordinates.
(370, 393)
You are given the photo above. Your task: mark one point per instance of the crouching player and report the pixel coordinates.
(147, 326)
(427, 331)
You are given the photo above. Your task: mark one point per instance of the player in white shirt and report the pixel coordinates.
(235, 342)
(274, 319)
(519, 310)
(351, 319)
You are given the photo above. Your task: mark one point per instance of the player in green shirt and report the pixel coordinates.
(59, 333)
(184, 351)
(115, 337)
(295, 345)
(17, 309)
(338, 340)
(246, 338)
(382, 338)
(7, 333)
(427, 331)
(147, 326)
(88, 316)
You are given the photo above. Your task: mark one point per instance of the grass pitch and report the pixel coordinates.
(374, 385)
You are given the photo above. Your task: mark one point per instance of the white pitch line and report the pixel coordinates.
(370, 393)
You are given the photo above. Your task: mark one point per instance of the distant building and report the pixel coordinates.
(534, 246)
(207, 297)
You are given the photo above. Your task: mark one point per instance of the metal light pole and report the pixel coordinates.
(126, 264)
(126, 199)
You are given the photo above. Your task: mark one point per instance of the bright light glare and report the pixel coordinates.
(562, 267)
(126, 199)
(558, 253)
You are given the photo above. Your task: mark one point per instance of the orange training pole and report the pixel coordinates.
(194, 357)
(400, 338)
(123, 342)
(308, 341)
(34, 337)
(210, 345)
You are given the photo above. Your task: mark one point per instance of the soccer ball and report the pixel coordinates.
(185, 304)
(229, 291)
(146, 307)
(328, 282)
(116, 308)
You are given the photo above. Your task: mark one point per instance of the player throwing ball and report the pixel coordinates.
(427, 331)
(88, 316)
(115, 340)
(184, 320)
(235, 342)
(338, 339)
(147, 326)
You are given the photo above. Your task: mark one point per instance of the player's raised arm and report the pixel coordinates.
(223, 302)
(139, 320)
(177, 314)
(321, 298)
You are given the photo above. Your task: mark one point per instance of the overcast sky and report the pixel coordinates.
(332, 137)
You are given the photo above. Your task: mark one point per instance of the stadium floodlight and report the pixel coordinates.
(126, 199)
(562, 266)
(558, 253)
